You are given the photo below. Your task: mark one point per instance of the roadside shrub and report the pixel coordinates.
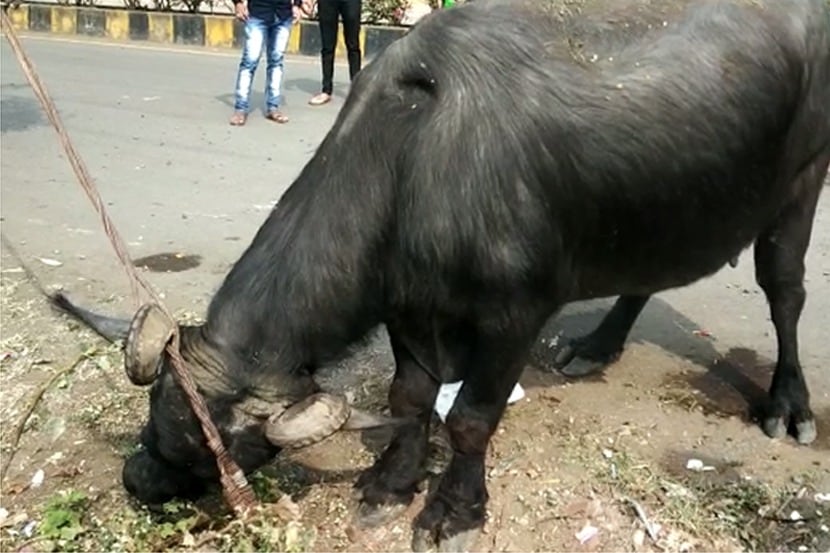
(384, 12)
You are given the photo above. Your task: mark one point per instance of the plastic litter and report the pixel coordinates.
(587, 533)
(697, 465)
(37, 479)
(50, 262)
(449, 391)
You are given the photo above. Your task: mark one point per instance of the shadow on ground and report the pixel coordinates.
(729, 384)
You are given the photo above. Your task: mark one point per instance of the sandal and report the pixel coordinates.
(320, 99)
(238, 118)
(277, 116)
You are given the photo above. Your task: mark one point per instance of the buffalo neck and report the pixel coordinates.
(309, 284)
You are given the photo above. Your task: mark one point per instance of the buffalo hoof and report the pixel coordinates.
(775, 426)
(584, 356)
(373, 516)
(423, 540)
(447, 524)
(377, 504)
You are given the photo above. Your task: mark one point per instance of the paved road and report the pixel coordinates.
(152, 126)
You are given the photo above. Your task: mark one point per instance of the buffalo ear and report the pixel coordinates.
(316, 418)
(150, 331)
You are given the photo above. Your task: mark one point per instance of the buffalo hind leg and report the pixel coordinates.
(588, 354)
(779, 270)
(391, 483)
(455, 513)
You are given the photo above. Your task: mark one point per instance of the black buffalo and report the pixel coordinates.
(483, 172)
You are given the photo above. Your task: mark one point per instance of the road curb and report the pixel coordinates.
(214, 31)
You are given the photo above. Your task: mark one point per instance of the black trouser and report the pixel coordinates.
(328, 12)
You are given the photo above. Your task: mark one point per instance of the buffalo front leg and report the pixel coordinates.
(588, 354)
(391, 483)
(779, 268)
(455, 513)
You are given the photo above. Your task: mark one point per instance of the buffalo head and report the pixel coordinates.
(256, 416)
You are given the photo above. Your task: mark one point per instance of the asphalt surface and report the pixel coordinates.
(152, 127)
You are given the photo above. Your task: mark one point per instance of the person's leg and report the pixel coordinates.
(251, 51)
(327, 15)
(350, 11)
(278, 34)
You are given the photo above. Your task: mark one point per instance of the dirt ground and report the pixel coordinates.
(604, 461)
(660, 453)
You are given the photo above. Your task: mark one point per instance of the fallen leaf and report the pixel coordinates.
(15, 489)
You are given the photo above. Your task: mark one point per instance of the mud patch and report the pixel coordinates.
(168, 262)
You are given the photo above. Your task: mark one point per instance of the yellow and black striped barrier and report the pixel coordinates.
(215, 31)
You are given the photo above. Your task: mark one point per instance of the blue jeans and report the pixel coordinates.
(273, 36)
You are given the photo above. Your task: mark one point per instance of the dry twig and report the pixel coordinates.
(30, 408)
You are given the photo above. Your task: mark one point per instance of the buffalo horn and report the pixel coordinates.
(316, 418)
(149, 333)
